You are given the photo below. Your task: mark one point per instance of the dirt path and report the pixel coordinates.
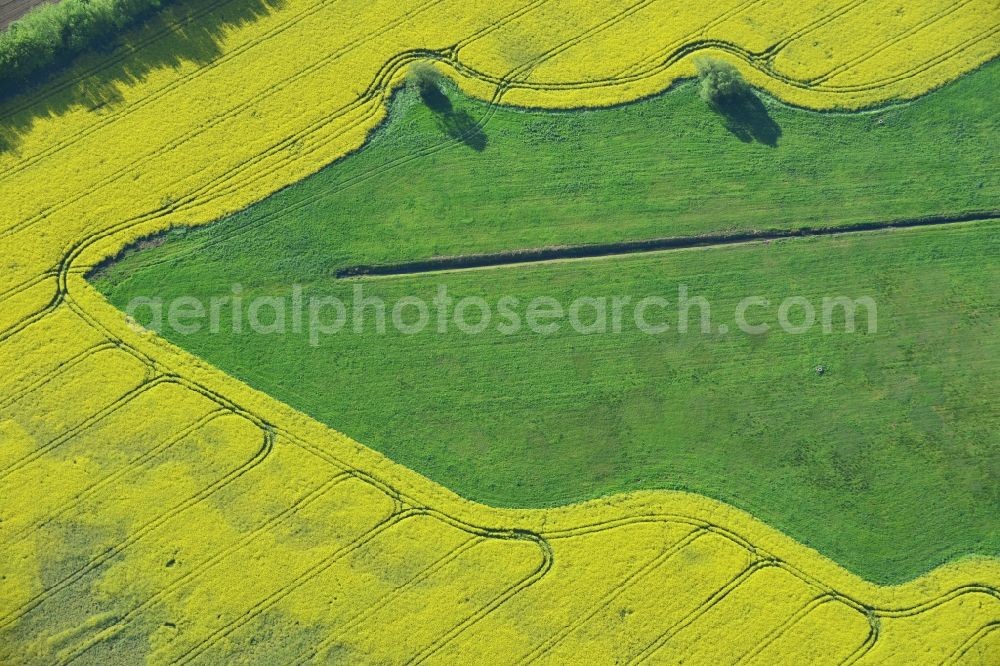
(11, 10)
(543, 254)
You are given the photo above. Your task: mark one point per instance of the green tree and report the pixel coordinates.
(721, 83)
(54, 33)
(424, 77)
(730, 96)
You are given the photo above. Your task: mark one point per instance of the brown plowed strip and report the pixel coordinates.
(11, 10)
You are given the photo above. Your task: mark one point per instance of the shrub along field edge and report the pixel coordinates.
(53, 34)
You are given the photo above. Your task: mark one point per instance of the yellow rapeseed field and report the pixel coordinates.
(157, 509)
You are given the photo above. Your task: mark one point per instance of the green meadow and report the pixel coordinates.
(879, 448)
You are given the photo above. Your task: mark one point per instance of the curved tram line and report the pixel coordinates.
(406, 507)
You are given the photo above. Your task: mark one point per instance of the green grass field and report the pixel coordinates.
(886, 463)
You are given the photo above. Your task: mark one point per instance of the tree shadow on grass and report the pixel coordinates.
(456, 124)
(747, 118)
(434, 98)
(188, 31)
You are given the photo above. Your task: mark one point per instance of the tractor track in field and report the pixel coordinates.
(518, 78)
(404, 506)
(972, 641)
(110, 553)
(646, 246)
(378, 92)
(201, 567)
(162, 92)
